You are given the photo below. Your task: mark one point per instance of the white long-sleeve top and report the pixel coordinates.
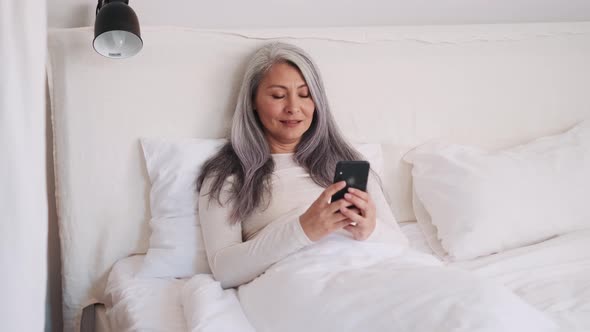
(238, 253)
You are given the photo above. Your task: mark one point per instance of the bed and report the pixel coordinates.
(559, 287)
(493, 86)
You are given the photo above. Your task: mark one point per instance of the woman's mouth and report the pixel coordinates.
(291, 123)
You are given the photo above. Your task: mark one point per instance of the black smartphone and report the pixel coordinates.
(354, 172)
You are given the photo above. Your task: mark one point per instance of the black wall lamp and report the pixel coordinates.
(116, 30)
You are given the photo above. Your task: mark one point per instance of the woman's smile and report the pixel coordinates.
(291, 123)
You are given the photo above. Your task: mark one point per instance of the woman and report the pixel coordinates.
(265, 198)
(266, 194)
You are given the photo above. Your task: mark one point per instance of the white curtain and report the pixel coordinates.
(23, 192)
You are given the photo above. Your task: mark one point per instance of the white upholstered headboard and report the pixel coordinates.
(490, 85)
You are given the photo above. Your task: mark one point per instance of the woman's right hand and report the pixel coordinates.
(323, 217)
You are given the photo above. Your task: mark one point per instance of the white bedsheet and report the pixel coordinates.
(143, 304)
(553, 276)
(416, 238)
(209, 308)
(168, 304)
(157, 304)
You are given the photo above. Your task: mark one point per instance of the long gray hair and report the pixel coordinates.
(247, 156)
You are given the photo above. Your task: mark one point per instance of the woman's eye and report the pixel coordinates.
(304, 96)
(278, 96)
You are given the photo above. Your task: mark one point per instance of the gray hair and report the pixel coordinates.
(247, 156)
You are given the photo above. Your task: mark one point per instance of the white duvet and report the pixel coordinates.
(344, 285)
(553, 276)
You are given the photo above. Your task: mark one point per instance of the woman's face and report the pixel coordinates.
(284, 106)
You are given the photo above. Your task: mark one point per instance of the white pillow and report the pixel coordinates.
(373, 153)
(176, 247)
(479, 202)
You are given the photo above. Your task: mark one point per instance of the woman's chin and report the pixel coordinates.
(293, 138)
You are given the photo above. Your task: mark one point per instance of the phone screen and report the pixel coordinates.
(354, 172)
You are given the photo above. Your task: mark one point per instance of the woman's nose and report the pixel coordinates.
(293, 105)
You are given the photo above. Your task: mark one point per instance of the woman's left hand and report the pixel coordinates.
(364, 215)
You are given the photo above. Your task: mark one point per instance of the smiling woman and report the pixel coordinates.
(284, 106)
(266, 194)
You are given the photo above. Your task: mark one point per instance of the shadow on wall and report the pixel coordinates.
(53, 301)
(62, 14)
(85, 14)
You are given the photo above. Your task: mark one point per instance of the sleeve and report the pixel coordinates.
(233, 261)
(387, 228)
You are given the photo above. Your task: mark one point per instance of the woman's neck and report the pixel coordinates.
(281, 147)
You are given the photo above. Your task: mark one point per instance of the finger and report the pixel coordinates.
(355, 210)
(332, 189)
(337, 205)
(340, 224)
(355, 217)
(357, 201)
(337, 217)
(369, 209)
(362, 194)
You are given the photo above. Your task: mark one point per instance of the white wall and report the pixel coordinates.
(291, 13)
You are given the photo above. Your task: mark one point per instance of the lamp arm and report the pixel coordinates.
(104, 2)
(98, 6)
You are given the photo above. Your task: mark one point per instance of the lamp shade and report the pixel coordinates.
(116, 30)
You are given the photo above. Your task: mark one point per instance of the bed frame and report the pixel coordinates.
(489, 85)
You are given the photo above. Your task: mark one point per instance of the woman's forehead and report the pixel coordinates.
(283, 74)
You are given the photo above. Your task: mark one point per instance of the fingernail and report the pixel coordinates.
(347, 195)
(350, 189)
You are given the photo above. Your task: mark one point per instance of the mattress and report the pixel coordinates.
(553, 276)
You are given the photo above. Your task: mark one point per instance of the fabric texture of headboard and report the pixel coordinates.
(488, 85)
